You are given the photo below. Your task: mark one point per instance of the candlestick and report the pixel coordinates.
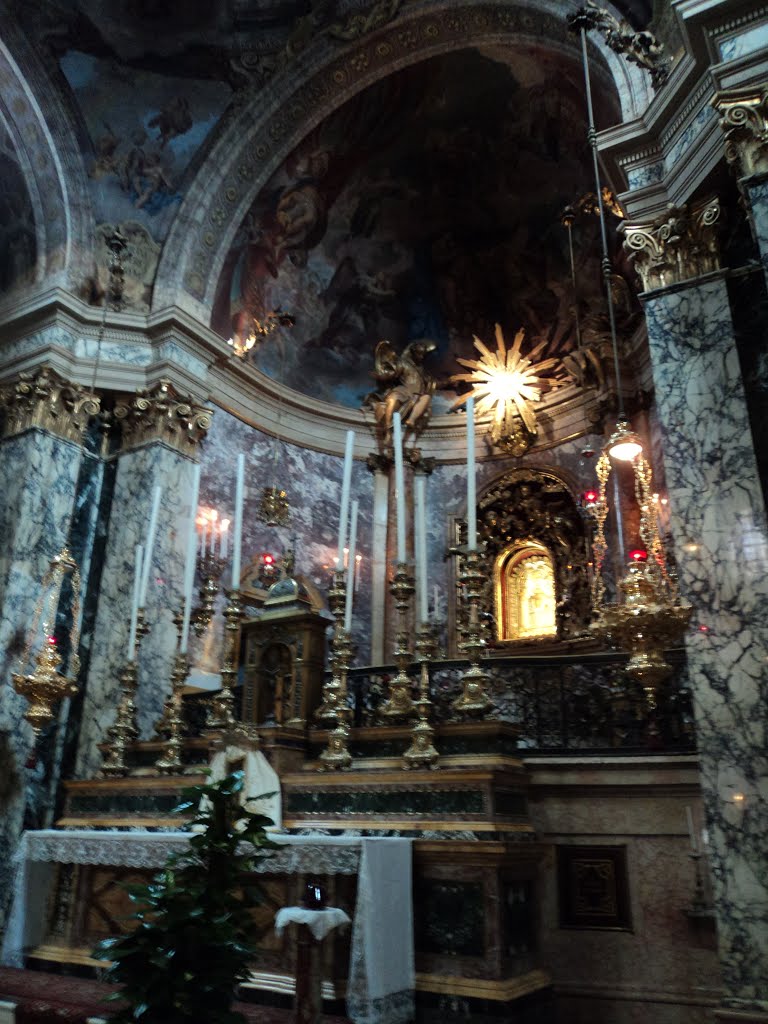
(471, 483)
(473, 699)
(151, 532)
(138, 555)
(399, 704)
(123, 730)
(169, 762)
(350, 574)
(189, 565)
(422, 753)
(238, 537)
(397, 440)
(334, 706)
(420, 526)
(224, 533)
(222, 713)
(346, 483)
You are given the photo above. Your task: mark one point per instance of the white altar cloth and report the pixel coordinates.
(381, 977)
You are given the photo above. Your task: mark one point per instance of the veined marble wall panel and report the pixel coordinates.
(758, 201)
(718, 518)
(313, 483)
(138, 473)
(39, 475)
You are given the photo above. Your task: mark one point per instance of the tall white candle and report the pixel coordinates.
(224, 533)
(471, 485)
(350, 575)
(151, 533)
(435, 599)
(420, 529)
(397, 439)
(204, 525)
(190, 563)
(346, 483)
(237, 540)
(138, 554)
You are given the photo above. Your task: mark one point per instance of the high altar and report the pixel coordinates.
(382, 413)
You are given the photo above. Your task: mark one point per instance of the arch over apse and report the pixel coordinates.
(45, 142)
(269, 123)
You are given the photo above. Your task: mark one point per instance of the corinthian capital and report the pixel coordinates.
(744, 119)
(44, 400)
(161, 414)
(679, 245)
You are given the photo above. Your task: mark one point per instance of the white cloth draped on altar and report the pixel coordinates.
(381, 981)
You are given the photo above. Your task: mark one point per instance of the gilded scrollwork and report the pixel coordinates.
(45, 400)
(160, 413)
(677, 246)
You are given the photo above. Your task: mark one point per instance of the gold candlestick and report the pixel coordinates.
(422, 752)
(337, 597)
(210, 567)
(336, 755)
(400, 704)
(169, 762)
(222, 711)
(162, 725)
(473, 698)
(123, 731)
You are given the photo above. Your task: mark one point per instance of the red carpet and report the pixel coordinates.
(49, 998)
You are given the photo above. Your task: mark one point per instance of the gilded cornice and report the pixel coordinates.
(679, 245)
(744, 120)
(161, 413)
(44, 400)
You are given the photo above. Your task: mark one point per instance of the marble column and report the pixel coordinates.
(161, 433)
(41, 451)
(718, 522)
(744, 121)
(379, 465)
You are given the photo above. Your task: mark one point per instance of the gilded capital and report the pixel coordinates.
(679, 245)
(744, 120)
(44, 400)
(160, 413)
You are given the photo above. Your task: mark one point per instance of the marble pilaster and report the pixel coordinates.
(40, 459)
(161, 431)
(718, 521)
(379, 556)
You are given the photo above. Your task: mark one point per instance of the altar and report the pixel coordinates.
(380, 982)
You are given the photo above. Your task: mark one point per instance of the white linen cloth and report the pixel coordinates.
(260, 778)
(381, 978)
(319, 922)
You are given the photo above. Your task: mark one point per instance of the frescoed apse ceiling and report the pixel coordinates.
(427, 206)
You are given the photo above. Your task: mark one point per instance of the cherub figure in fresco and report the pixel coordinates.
(153, 179)
(173, 120)
(410, 389)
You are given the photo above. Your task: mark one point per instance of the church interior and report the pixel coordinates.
(382, 415)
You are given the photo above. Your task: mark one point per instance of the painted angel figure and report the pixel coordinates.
(404, 387)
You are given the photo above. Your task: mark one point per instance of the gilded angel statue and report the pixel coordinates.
(404, 387)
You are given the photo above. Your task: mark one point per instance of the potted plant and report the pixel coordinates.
(193, 941)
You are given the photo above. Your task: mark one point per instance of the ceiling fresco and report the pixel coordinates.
(428, 206)
(143, 128)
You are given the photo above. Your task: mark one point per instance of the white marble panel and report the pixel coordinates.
(718, 520)
(754, 38)
(138, 472)
(39, 476)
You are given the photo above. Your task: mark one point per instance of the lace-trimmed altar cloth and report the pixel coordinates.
(381, 980)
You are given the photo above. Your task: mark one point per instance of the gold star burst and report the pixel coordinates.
(507, 384)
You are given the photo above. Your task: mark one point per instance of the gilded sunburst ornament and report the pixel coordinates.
(507, 384)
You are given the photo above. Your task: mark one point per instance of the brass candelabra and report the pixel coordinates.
(399, 704)
(336, 602)
(169, 762)
(44, 685)
(210, 567)
(473, 698)
(222, 714)
(124, 729)
(422, 752)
